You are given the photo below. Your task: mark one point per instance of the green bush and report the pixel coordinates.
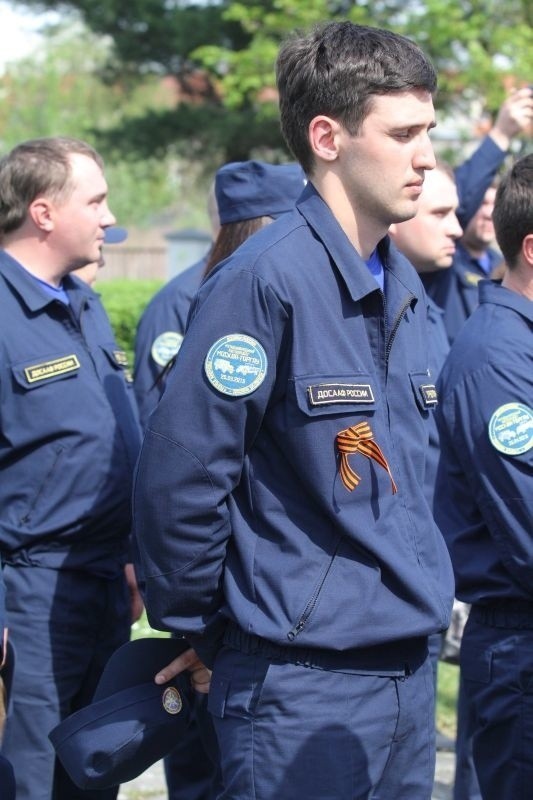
(124, 301)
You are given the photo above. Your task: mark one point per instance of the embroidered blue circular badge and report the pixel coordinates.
(511, 429)
(236, 364)
(165, 347)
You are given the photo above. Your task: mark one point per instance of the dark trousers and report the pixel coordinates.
(291, 731)
(64, 625)
(466, 784)
(497, 671)
(192, 768)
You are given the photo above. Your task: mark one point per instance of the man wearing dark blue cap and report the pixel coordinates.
(247, 195)
(69, 437)
(279, 500)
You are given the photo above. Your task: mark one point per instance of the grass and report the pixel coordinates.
(448, 683)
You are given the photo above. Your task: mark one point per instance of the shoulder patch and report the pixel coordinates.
(236, 364)
(165, 347)
(511, 429)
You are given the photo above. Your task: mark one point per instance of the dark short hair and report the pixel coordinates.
(336, 70)
(513, 209)
(33, 168)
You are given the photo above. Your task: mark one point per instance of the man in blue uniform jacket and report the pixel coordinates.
(484, 498)
(455, 291)
(279, 496)
(69, 438)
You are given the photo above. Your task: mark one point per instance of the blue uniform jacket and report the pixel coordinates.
(239, 504)
(484, 497)
(475, 175)
(455, 290)
(159, 335)
(69, 429)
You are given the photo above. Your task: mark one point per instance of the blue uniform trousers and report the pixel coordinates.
(7, 780)
(466, 785)
(65, 625)
(290, 731)
(192, 768)
(497, 670)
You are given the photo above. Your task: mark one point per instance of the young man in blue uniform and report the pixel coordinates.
(429, 241)
(455, 291)
(484, 498)
(279, 495)
(69, 440)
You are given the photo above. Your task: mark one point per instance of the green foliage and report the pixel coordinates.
(476, 45)
(58, 92)
(448, 684)
(124, 301)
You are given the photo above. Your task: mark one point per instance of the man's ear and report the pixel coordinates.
(323, 138)
(40, 211)
(527, 249)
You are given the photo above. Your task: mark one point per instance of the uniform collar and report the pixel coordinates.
(28, 289)
(494, 292)
(467, 266)
(400, 275)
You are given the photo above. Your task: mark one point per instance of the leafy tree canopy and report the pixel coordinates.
(221, 56)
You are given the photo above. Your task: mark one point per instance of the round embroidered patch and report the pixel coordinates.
(511, 429)
(165, 347)
(236, 364)
(172, 702)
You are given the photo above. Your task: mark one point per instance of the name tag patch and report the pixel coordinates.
(236, 364)
(165, 347)
(472, 278)
(511, 429)
(121, 357)
(331, 393)
(429, 394)
(50, 369)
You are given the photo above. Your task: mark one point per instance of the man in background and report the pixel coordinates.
(484, 498)
(455, 291)
(69, 437)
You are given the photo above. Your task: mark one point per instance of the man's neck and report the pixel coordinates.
(519, 281)
(364, 234)
(35, 262)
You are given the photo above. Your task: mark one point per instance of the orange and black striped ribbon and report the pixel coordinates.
(359, 439)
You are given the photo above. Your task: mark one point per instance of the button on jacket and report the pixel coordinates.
(69, 429)
(484, 497)
(240, 506)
